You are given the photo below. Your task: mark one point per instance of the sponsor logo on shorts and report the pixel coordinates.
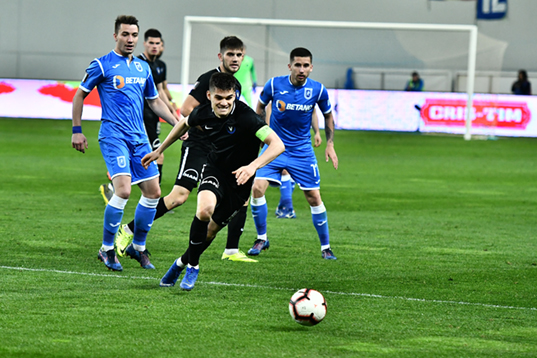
(190, 173)
(211, 180)
(121, 162)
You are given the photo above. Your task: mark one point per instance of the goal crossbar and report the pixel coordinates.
(470, 29)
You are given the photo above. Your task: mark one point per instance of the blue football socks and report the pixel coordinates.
(112, 219)
(143, 220)
(320, 221)
(259, 213)
(286, 192)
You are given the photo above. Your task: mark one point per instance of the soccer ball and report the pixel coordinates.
(307, 307)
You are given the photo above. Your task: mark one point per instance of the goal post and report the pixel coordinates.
(470, 29)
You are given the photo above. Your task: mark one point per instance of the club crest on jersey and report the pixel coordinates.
(138, 66)
(230, 129)
(118, 82)
(308, 93)
(121, 162)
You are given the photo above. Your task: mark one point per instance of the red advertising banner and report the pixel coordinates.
(449, 112)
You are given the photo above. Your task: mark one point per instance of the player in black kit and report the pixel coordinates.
(194, 155)
(151, 54)
(235, 133)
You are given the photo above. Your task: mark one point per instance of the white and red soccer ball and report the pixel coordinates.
(307, 307)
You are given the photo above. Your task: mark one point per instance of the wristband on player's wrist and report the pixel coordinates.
(77, 129)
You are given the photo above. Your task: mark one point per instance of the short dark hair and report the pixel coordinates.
(152, 33)
(300, 52)
(415, 74)
(524, 74)
(125, 19)
(231, 43)
(223, 81)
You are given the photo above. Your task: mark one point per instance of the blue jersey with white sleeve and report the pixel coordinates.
(292, 108)
(122, 87)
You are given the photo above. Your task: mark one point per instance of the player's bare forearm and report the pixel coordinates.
(164, 97)
(78, 104)
(78, 140)
(177, 131)
(261, 111)
(315, 122)
(188, 105)
(329, 128)
(161, 109)
(330, 152)
(317, 140)
(275, 148)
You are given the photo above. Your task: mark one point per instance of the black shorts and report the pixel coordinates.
(192, 161)
(230, 197)
(152, 127)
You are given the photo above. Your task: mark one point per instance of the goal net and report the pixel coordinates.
(379, 54)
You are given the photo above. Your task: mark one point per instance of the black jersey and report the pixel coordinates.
(158, 71)
(233, 140)
(199, 92)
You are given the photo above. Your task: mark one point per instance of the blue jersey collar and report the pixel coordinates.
(291, 83)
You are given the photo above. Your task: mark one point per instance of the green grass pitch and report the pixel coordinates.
(436, 239)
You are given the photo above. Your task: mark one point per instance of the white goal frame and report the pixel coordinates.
(471, 29)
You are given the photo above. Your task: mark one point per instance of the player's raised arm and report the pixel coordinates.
(275, 148)
(78, 139)
(330, 152)
(177, 131)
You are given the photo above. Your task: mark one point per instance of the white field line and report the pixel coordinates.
(367, 295)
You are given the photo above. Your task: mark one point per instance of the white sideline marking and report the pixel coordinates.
(368, 295)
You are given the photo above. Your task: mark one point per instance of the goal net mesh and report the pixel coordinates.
(394, 54)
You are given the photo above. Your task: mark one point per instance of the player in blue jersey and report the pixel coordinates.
(293, 100)
(285, 206)
(123, 82)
